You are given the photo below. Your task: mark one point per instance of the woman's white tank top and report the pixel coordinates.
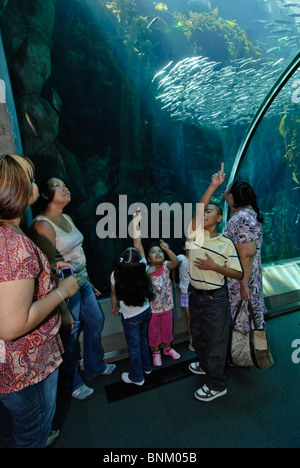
(68, 244)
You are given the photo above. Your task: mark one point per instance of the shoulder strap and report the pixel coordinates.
(251, 315)
(238, 309)
(44, 218)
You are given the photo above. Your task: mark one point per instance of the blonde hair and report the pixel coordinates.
(16, 176)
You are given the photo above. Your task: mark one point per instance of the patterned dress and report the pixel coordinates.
(241, 228)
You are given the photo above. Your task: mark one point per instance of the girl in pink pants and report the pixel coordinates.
(161, 323)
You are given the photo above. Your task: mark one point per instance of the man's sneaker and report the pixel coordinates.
(172, 353)
(126, 379)
(196, 369)
(157, 359)
(83, 393)
(205, 394)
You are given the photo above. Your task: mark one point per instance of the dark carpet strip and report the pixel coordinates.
(120, 390)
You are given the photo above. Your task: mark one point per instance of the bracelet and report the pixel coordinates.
(60, 294)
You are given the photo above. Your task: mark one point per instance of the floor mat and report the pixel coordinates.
(158, 377)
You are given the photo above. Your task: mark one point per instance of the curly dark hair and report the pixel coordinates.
(131, 280)
(243, 195)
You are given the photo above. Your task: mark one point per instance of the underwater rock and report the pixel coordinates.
(27, 34)
(32, 56)
(3, 5)
(27, 29)
(56, 100)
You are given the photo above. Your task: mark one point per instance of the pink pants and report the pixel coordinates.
(161, 328)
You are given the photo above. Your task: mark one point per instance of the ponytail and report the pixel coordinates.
(132, 283)
(243, 195)
(254, 205)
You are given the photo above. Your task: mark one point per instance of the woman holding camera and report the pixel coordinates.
(30, 346)
(57, 236)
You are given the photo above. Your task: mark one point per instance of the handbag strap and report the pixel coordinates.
(251, 315)
(238, 309)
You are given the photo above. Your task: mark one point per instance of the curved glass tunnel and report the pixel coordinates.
(271, 165)
(145, 99)
(139, 102)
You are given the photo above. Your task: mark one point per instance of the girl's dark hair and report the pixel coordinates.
(44, 190)
(243, 195)
(131, 280)
(152, 244)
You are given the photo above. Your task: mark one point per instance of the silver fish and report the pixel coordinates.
(202, 92)
(290, 4)
(152, 22)
(272, 50)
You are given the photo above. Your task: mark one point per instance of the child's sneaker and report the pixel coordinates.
(172, 353)
(157, 359)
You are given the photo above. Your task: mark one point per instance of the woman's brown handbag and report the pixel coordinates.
(249, 349)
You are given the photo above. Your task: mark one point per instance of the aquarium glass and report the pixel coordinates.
(139, 101)
(272, 166)
(160, 93)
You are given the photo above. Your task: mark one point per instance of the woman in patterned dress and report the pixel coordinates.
(245, 230)
(30, 347)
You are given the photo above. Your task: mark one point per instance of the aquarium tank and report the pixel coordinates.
(137, 103)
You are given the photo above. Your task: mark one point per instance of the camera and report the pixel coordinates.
(66, 272)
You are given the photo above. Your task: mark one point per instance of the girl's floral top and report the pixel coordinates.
(162, 288)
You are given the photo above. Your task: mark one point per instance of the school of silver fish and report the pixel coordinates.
(203, 92)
